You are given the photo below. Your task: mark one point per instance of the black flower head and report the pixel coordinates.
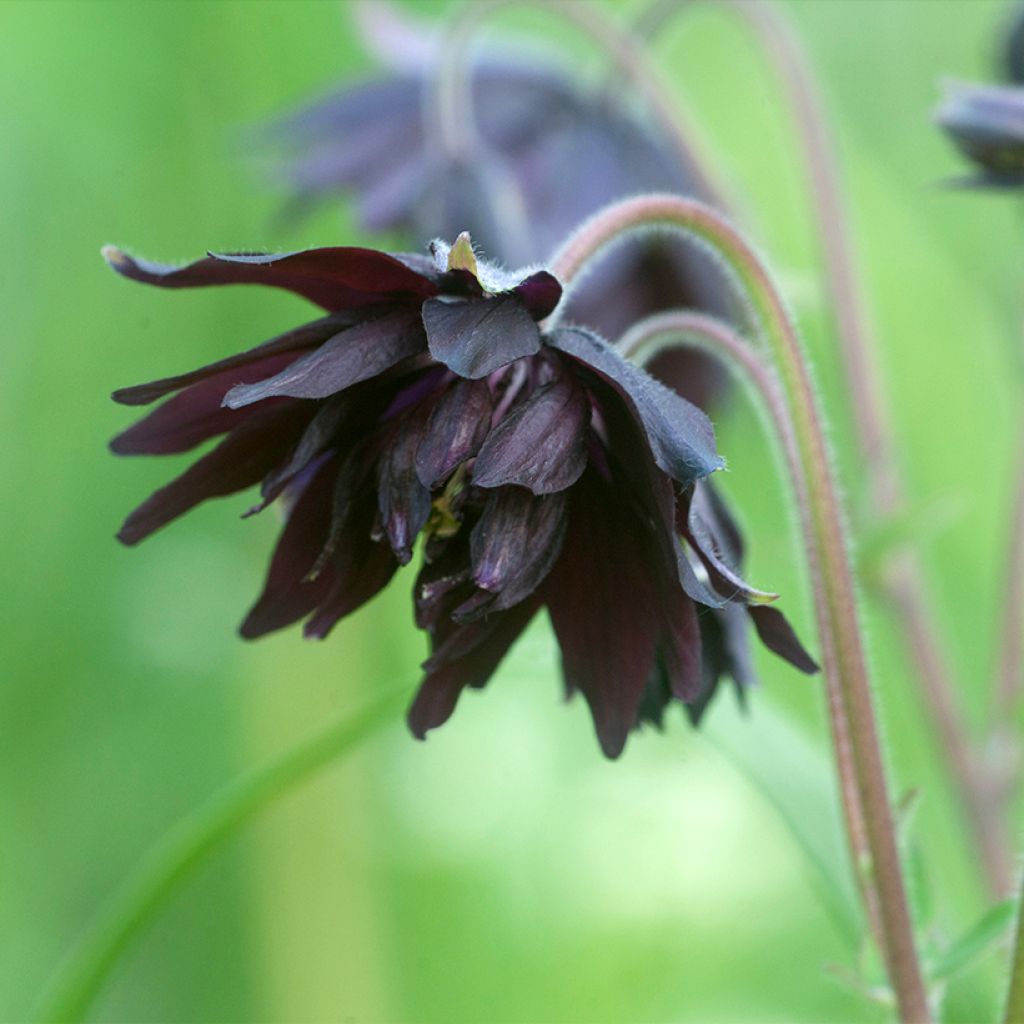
(537, 468)
(375, 140)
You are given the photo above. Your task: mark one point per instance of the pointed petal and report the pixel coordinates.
(353, 355)
(778, 636)
(361, 567)
(542, 443)
(440, 690)
(456, 429)
(248, 453)
(193, 415)
(681, 645)
(334, 278)
(475, 337)
(607, 620)
(295, 340)
(289, 593)
(680, 436)
(404, 502)
(513, 547)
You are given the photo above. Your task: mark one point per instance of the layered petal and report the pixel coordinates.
(541, 444)
(402, 500)
(778, 636)
(247, 454)
(337, 278)
(349, 357)
(457, 427)
(680, 436)
(475, 337)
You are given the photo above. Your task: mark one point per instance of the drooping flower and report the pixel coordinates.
(537, 468)
(376, 140)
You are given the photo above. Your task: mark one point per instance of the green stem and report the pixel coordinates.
(183, 849)
(835, 601)
(1015, 997)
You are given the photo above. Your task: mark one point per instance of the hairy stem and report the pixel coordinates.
(182, 850)
(641, 343)
(452, 102)
(832, 578)
(903, 578)
(1014, 1013)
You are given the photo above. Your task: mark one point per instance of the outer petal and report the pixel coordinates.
(334, 278)
(248, 453)
(195, 414)
(604, 606)
(680, 436)
(540, 293)
(778, 636)
(513, 547)
(456, 429)
(289, 592)
(354, 355)
(362, 567)
(542, 443)
(438, 693)
(292, 341)
(475, 337)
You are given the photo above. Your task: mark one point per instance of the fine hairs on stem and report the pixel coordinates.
(664, 330)
(903, 576)
(835, 603)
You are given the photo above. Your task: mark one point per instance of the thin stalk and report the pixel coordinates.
(451, 105)
(133, 907)
(1014, 1013)
(1009, 674)
(903, 578)
(641, 343)
(835, 601)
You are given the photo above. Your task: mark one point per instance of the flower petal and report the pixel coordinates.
(193, 415)
(248, 453)
(290, 592)
(604, 606)
(456, 429)
(778, 636)
(403, 501)
(680, 436)
(440, 690)
(353, 355)
(513, 547)
(542, 443)
(361, 566)
(302, 337)
(475, 337)
(540, 294)
(342, 277)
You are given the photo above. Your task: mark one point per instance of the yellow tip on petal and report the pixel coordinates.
(114, 256)
(461, 255)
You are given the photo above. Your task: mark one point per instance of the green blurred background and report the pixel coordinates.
(503, 871)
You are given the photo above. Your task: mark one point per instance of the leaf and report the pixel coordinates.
(979, 940)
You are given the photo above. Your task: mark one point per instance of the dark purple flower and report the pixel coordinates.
(986, 122)
(536, 468)
(516, 195)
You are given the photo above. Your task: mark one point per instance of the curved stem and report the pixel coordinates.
(183, 849)
(903, 578)
(1014, 1013)
(641, 343)
(1011, 647)
(452, 102)
(835, 601)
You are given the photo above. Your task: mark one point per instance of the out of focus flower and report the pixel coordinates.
(549, 151)
(986, 122)
(538, 469)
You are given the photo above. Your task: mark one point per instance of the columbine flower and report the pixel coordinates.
(538, 469)
(375, 140)
(987, 124)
